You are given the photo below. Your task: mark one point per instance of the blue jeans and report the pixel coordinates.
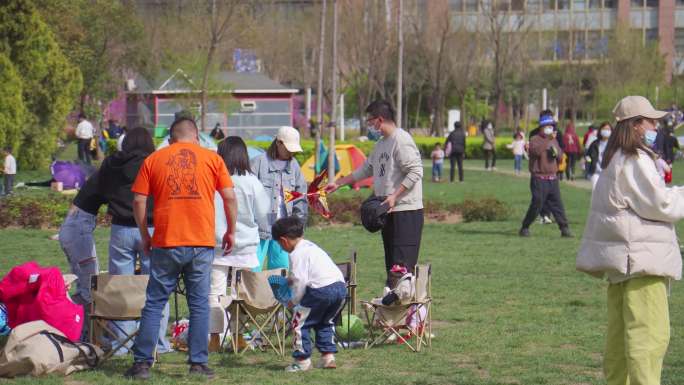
(517, 163)
(78, 244)
(277, 257)
(437, 170)
(317, 310)
(125, 247)
(165, 267)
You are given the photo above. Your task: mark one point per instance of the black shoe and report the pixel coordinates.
(524, 232)
(202, 369)
(390, 298)
(565, 233)
(139, 371)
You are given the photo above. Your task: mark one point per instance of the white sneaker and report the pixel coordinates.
(299, 366)
(547, 220)
(327, 361)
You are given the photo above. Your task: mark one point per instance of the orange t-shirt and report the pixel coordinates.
(182, 178)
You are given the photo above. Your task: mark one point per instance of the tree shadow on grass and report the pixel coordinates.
(504, 232)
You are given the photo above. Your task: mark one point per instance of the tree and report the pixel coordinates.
(50, 83)
(12, 109)
(104, 38)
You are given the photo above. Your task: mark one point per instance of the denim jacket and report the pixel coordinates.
(264, 168)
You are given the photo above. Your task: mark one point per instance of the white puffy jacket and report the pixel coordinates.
(630, 227)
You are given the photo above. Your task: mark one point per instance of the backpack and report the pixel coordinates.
(36, 348)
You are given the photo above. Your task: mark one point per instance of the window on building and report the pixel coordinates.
(456, 5)
(547, 41)
(471, 5)
(679, 3)
(652, 3)
(563, 4)
(609, 3)
(651, 34)
(594, 3)
(549, 5)
(579, 47)
(562, 45)
(638, 3)
(679, 40)
(534, 6)
(517, 5)
(594, 43)
(578, 5)
(502, 5)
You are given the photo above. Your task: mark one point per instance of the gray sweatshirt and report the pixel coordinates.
(395, 161)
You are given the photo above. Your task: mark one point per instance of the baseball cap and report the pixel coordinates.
(290, 138)
(633, 106)
(546, 120)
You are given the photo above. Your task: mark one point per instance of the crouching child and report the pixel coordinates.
(318, 293)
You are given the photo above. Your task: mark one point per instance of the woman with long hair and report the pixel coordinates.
(631, 241)
(116, 177)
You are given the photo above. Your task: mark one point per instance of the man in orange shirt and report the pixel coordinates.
(182, 179)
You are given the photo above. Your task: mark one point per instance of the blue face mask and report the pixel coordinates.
(650, 138)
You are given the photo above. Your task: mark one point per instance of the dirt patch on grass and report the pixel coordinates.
(465, 362)
(450, 218)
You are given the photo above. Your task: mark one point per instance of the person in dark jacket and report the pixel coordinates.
(669, 145)
(117, 174)
(571, 147)
(217, 133)
(544, 153)
(595, 151)
(455, 146)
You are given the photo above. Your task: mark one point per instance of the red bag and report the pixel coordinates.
(33, 293)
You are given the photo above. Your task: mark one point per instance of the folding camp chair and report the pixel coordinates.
(115, 298)
(348, 270)
(255, 304)
(413, 316)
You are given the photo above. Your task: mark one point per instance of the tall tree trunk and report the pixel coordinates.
(319, 91)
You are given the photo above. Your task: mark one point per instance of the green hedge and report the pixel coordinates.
(425, 145)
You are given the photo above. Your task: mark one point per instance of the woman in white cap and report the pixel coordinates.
(630, 240)
(279, 172)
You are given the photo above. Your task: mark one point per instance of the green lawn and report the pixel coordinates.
(507, 310)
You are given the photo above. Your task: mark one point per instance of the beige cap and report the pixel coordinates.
(633, 106)
(290, 138)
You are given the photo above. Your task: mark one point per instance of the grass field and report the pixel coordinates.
(507, 310)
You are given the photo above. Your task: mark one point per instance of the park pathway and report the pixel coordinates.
(578, 183)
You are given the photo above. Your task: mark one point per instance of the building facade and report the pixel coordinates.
(580, 29)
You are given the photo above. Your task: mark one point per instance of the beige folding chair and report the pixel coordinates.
(386, 321)
(115, 298)
(255, 304)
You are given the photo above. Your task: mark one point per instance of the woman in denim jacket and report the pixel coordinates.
(279, 172)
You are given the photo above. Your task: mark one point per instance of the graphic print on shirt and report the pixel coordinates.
(384, 157)
(182, 180)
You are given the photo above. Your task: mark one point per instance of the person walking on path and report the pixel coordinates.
(595, 152)
(279, 172)
(84, 135)
(630, 240)
(116, 176)
(544, 153)
(489, 144)
(397, 171)
(454, 148)
(182, 179)
(9, 170)
(571, 147)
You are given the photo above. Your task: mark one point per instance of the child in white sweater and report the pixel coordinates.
(318, 293)
(518, 149)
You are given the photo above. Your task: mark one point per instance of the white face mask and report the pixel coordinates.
(548, 130)
(605, 133)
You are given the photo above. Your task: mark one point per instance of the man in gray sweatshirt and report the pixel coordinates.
(397, 172)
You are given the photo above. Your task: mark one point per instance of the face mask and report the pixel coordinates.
(650, 138)
(605, 133)
(548, 130)
(373, 131)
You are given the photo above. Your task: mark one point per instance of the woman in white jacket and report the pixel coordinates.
(253, 205)
(630, 240)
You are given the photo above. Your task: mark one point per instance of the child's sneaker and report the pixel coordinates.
(299, 366)
(327, 361)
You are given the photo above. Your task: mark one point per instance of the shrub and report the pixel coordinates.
(34, 212)
(487, 209)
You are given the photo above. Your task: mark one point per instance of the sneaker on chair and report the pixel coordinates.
(201, 369)
(299, 366)
(139, 371)
(327, 361)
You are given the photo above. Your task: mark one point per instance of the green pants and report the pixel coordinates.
(638, 331)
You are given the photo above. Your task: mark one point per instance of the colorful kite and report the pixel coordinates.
(315, 196)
